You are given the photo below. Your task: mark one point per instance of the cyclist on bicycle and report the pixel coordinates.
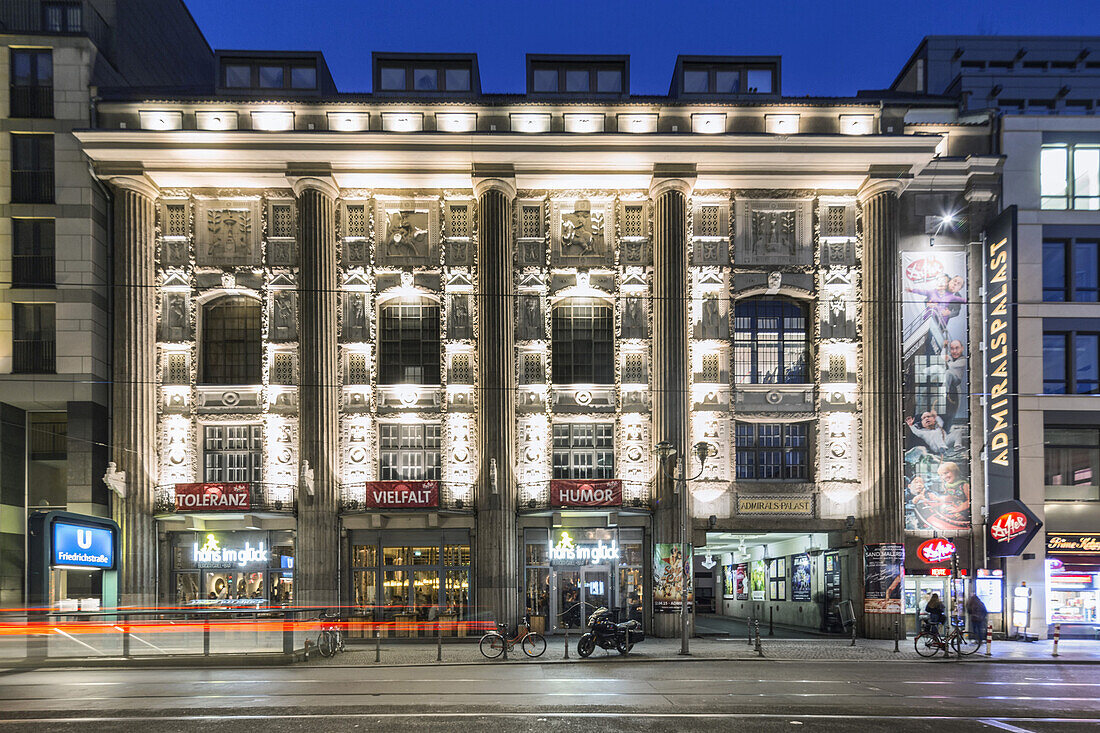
(934, 612)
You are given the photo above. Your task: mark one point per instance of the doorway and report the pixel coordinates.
(580, 590)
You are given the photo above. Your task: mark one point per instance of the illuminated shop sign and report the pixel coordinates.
(212, 555)
(936, 550)
(83, 546)
(402, 494)
(1073, 543)
(212, 498)
(1012, 525)
(566, 492)
(999, 270)
(566, 550)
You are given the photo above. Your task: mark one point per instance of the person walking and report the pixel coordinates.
(977, 615)
(934, 612)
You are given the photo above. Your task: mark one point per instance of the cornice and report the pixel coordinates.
(313, 183)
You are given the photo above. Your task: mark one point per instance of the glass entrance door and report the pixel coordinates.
(596, 589)
(568, 604)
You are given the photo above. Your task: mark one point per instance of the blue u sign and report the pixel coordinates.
(81, 545)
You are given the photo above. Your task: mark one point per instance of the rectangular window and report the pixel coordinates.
(392, 78)
(425, 80)
(357, 220)
(409, 452)
(33, 338)
(358, 369)
(458, 224)
(176, 216)
(531, 225)
(1071, 362)
(584, 450)
(583, 352)
(232, 453)
(409, 344)
(62, 17)
(1072, 459)
(283, 368)
(772, 451)
(1071, 270)
(32, 256)
(31, 82)
(633, 225)
(282, 221)
(303, 77)
(457, 80)
(175, 369)
(1069, 177)
(238, 76)
(271, 77)
(32, 168)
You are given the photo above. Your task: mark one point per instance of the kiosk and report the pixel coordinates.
(72, 562)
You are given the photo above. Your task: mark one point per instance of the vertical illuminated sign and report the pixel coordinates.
(999, 353)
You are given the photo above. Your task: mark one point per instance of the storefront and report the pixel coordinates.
(1073, 582)
(571, 571)
(232, 568)
(409, 577)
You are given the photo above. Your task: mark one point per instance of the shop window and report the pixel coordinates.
(770, 343)
(1072, 460)
(232, 453)
(31, 82)
(427, 581)
(231, 344)
(777, 579)
(772, 451)
(583, 343)
(1071, 270)
(269, 582)
(408, 349)
(1069, 177)
(409, 452)
(1071, 362)
(584, 450)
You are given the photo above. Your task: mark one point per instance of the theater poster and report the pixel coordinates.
(669, 570)
(728, 581)
(741, 581)
(935, 390)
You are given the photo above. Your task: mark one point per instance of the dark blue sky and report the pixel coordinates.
(828, 47)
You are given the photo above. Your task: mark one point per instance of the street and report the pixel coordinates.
(605, 694)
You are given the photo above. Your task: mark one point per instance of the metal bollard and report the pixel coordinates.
(566, 656)
(853, 634)
(771, 621)
(896, 649)
(125, 639)
(206, 636)
(989, 640)
(759, 648)
(748, 635)
(377, 646)
(1057, 633)
(504, 640)
(438, 642)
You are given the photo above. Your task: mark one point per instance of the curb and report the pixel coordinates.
(186, 661)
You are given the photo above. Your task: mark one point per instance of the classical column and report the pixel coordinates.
(880, 380)
(317, 547)
(134, 399)
(495, 551)
(670, 358)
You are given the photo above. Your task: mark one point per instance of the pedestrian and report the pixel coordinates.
(934, 611)
(977, 614)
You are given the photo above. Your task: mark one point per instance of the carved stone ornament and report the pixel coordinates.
(581, 238)
(409, 233)
(356, 323)
(227, 234)
(175, 317)
(531, 325)
(459, 323)
(775, 232)
(115, 480)
(635, 323)
(305, 478)
(284, 316)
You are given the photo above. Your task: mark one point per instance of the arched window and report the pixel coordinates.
(769, 342)
(408, 348)
(231, 344)
(583, 342)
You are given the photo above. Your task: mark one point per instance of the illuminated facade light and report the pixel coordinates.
(857, 124)
(583, 122)
(708, 123)
(637, 123)
(161, 120)
(349, 121)
(216, 120)
(456, 121)
(273, 121)
(402, 121)
(785, 124)
(530, 122)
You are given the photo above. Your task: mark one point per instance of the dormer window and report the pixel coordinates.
(577, 75)
(443, 73)
(273, 74)
(726, 75)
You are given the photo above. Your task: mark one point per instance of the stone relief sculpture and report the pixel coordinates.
(357, 252)
(773, 233)
(230, 241)
(459, 324)
(356, 324)
(284, 317)
(635, 323)
(711, 324)
(581, 238)
(531, 321)
(839, 317)
(175, 319)
(115, 480)
(175, 252)
(531, 252)
(837, 448)
(634, 251)
(407, 234)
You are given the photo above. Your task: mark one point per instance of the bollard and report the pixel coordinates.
(504, 640)
(748, 634)
(896, 649)
(566, 646)
(853, 634)
(377, 646)
(438, 642)
(759, 648)
(1057, 633)
(771, 621)
(125, 639)
(989, 640)
(206, 636)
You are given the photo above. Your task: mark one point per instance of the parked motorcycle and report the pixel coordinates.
(606, 634)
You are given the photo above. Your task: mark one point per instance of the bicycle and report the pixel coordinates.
(331, 638)
(930, 642)
(533, 643)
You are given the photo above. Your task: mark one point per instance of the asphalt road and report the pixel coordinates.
(599, 695)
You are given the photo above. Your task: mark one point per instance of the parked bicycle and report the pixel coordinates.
(930, 642)
(331, 638)
(532, 643)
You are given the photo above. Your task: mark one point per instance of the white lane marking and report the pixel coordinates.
(1005, 726)
(999, 684)
(72, 638)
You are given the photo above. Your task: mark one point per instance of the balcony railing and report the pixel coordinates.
(32, 187)
(36, 101)
(33, 357)
(82, 19)
(33, 271)
(453, 496)
(263, 497)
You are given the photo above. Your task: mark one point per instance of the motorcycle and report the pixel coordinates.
(606, 634)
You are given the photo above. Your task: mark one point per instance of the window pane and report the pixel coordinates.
(409, 344)
(1086, 271)
(609, 80)
(1054, 271)
(458, 80)
(727, 82)
(576, 80)
(1052, 171)
(303, 77)
(231, 341)
(393, 78)
(695, 81)
(271, 77)
(1087, 348)
(545, 80)
(238, 76)
(1054, 363)
(759, 80)
(425, 80)
(1086, 171)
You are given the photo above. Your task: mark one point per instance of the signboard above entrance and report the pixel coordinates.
(213, 498)
(1073, 543)
(402, 494)
(567, 492)
(776, 505)
(583, 546)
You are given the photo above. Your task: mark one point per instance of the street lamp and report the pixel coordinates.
(665, 451)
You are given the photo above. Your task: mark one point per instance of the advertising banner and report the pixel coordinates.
(567, 492)
(800, 578)
(759, 580)
(212, 498)
(1073, 543)
(728, 581)
(402, 494)
(999, 275)
(883, 577)
(935, 394)
(669, 570)
(741, 581)
(83, 546)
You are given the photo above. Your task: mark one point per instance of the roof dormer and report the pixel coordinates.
(709, 77)
(426, 74)
(577, 75)
(273, 73)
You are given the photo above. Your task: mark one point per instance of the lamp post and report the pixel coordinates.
(665, 451)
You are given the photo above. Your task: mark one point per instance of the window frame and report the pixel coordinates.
(1069, 290)
(246, 370)
(254, 452)
(42, 257)
(1069, 351)
(429, 434)
(1050, 447)
(33, 100)
(409, 69)
(583, 462)
(398, 345)
(43, 359)
(783, 451)
(1069, 197)
(599, 367)
(254, 66)
(32, 181)
(714, 68)
(592, 68)
(748, 341)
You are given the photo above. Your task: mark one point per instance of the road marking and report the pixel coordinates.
(1005, 726)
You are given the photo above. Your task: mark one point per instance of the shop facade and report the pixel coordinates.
(231, 568)
(1073, 583)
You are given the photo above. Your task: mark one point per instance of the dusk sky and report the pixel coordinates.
(828, 48)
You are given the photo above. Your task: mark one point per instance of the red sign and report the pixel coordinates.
(1007, 526)
(212, 498)
(402, 494)
(567, 492)
(940, 572)
(936, 550)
